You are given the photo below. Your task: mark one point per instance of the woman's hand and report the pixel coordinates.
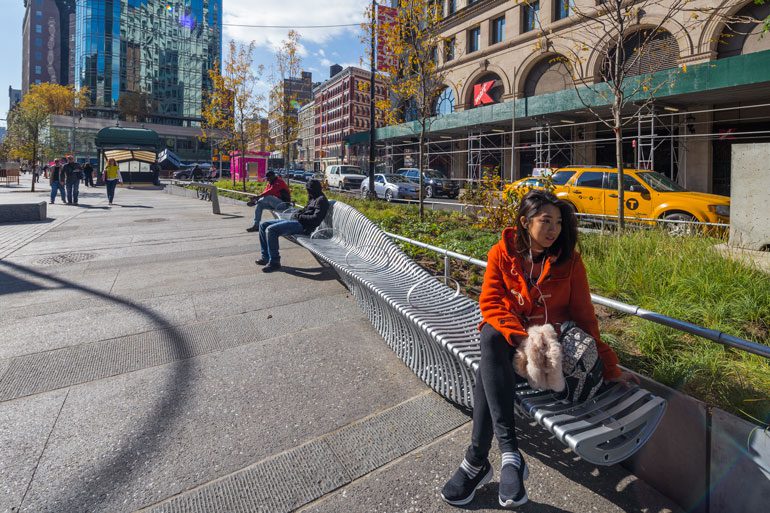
(626, 378)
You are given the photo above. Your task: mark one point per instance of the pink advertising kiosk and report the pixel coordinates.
(254, 165)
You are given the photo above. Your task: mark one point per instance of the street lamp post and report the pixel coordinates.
(372, 193)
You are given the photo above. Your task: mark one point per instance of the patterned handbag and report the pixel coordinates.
(581, 364)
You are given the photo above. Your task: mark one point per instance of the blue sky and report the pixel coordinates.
(320, 47)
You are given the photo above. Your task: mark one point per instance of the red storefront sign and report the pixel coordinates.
(386, 17)
(481, 93)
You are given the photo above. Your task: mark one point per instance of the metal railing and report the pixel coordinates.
(719, 337)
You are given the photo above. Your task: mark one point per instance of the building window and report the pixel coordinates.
(530, 16)
(449, 49)
(451, 7)
(39, 29)
(39, 14)
(39, 42)
(474, 38)
(38, 56)
(563, 9)
(38, 70)
(497, 32)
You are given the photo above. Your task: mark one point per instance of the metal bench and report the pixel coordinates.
(433, 329)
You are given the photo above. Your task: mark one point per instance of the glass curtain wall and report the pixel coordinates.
(158, 52)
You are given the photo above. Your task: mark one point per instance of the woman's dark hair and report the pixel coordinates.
(531, 204)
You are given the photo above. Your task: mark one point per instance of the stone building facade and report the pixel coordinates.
(504, 77)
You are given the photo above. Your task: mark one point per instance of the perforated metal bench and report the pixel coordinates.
(433, 329)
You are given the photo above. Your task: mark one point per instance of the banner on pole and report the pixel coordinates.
(386, 18)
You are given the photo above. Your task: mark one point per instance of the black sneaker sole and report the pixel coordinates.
(512, 503)
(463, 502)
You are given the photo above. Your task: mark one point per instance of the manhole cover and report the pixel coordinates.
(151, 220)
(66, 258)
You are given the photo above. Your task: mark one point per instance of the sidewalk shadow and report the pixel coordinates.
(315, 273)
(132, 206)
(110, 472)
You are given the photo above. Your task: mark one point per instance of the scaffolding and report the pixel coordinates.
(652, 132)
(483, 148)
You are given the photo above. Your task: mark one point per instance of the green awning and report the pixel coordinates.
(131, 139)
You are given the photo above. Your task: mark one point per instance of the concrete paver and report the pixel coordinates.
(163, 366)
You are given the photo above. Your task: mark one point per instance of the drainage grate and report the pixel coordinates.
(152, 220)
(66, 258)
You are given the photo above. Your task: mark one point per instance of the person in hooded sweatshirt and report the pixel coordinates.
(304, 221)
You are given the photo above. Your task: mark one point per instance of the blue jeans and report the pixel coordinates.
(111, 184)
(57, 186)
(266, 203)
(72, 191)
(269, 231)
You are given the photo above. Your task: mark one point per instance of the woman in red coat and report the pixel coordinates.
(534, 276)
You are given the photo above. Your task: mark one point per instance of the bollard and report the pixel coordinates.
(214, 199)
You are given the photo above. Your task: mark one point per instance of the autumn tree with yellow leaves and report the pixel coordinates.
(414, 76)
(234, 101)
(30, 136)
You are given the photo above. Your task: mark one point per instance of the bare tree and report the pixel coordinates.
(633, 39)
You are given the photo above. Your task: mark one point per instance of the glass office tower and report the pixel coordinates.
(159, 49)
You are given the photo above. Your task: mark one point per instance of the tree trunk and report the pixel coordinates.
(243, 162)
(619, 160)
(34, 159)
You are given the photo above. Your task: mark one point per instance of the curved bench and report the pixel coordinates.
(433, 329)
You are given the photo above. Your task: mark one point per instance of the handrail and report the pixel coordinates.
(719, 337)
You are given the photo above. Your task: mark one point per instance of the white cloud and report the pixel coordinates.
(321, 52)
(326, 62)
(291, 13)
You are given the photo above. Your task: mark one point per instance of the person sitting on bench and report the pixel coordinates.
(534, 277)
(276, 193)
(303, 221)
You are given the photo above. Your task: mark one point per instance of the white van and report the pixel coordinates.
(344, 177)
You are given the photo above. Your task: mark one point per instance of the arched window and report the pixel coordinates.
(645, 51)
(445, 102)
(743, 34)
(548, 76)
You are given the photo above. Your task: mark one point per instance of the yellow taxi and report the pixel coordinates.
(646, 195)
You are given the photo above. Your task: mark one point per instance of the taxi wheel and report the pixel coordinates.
(429, 192)
(680, 228)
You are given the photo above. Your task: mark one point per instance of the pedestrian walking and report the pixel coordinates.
(73, 175)
(534, 277)
(36, 173)
(88, 174)
(56, 181)
(155, 168)
(111, 178)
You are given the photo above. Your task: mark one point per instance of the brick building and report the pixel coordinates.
(342, 106)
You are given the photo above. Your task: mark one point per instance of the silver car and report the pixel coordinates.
(391, 187)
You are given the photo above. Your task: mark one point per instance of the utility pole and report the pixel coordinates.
(372, 77)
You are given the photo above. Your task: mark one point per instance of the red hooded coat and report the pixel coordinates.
(510, 307)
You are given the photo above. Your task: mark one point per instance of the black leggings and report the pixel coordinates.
(493, 398)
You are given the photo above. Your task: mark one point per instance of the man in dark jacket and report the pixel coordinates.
(73, 174)
(304, 221)
(88, 172)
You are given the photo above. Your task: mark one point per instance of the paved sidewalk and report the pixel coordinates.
(146, 364)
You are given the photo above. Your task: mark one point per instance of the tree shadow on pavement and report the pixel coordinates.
(132, 206)
(109, 472)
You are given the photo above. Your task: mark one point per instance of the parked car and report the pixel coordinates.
(194, 173)
(297, 174)
(647, 195)
(533, 182)
(435, 183)
(344, 177)
(391, 186)
(307, 176)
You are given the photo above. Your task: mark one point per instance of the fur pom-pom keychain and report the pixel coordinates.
(539, 359)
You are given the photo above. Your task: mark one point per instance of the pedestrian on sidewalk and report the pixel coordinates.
(36, 173)
(56, 182)
(304, 221)
(88, 174)
(534, 276)
(73, 174)
(275, 195)
(111, 178)
(155, 168)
